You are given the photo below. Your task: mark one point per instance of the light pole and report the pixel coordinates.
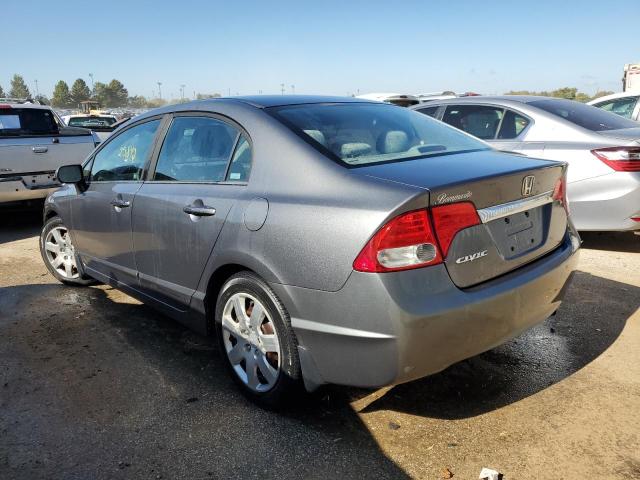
(282, 88)
(91, 77)
(159, 90)
(182, 93)
(37, 92)
(293, 89)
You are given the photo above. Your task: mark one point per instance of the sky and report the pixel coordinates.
(324, 47)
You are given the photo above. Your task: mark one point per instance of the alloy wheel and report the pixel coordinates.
(251, 342)
(60, 252)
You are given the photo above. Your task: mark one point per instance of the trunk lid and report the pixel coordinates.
(519, 220)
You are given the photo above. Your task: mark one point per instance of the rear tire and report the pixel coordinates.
(59, 254)
(257, 342)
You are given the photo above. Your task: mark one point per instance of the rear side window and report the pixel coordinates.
(124, 157)
(431, 111)
(620, 106)
(478, 120)
(27, 121)
(512, 125)
(241, 161)
(196, 149)
(585, 116)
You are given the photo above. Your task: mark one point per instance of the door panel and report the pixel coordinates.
(102, 231)
(101, 215)
(172, 246)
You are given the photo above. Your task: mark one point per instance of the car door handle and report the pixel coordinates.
(39, 149)
(120, 203)
(199, 211)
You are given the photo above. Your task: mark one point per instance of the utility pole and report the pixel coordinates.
(282, 88)
(182, 92)
(159, 90)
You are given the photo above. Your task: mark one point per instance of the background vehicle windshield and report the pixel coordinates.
(362, 134)
(91, 121)
(585, 116)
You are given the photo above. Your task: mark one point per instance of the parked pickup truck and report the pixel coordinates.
(34, 142)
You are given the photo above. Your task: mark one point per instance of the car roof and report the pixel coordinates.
(27, 105)
(266, 101)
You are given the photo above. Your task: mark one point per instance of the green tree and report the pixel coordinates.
(100, 93)
(118, 95)
(566, 92)
(79, 92)
(1, 92)
(61, 96)
(137, 101)
(204, 96)
(19, 89)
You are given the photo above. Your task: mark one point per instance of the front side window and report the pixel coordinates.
(478, 120)
(620, 106)
(512, 125)
(124, 157)
(585, 116)
(196, 149)
(367, 133)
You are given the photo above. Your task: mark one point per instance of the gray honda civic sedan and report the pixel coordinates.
(320, 239)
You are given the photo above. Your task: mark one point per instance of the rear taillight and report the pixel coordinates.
(4, 105)
(411, 240)
(405, 242)
(450, 219)
(560, 192)
(621, 159)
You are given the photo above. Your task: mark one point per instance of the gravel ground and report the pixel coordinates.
(95, 385)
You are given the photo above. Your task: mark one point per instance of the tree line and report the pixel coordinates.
(114, 94)
(569, 93)
(108, 95)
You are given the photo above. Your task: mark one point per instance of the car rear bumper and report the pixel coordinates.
(607, 202)
(29, 187)
(385, 329)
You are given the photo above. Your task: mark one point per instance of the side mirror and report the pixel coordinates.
(69, 174)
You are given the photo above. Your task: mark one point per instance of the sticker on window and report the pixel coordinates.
(9, 122)
(234, 176)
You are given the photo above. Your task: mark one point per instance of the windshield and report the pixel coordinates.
(365, 133)
(91, 121)
(585, 116)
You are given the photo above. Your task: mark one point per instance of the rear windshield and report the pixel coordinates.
(585, 116)
(89, 122)
(365, 133)
(27, 121)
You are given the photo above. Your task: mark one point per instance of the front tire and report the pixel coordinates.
(256, 340)
(58, 253)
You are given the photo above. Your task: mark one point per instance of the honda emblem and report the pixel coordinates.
(527, 185)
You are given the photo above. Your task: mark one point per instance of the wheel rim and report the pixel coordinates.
(60, 252)
(251, 342)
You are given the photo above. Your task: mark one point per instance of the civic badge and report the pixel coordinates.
(527, 185)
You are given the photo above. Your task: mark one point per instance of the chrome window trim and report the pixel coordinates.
(489, 214)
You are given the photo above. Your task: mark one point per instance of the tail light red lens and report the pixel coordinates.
(560, 192)
(621, 159)
(405, 242)
(450, 219)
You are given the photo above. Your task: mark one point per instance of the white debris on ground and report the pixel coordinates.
(489, 474)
